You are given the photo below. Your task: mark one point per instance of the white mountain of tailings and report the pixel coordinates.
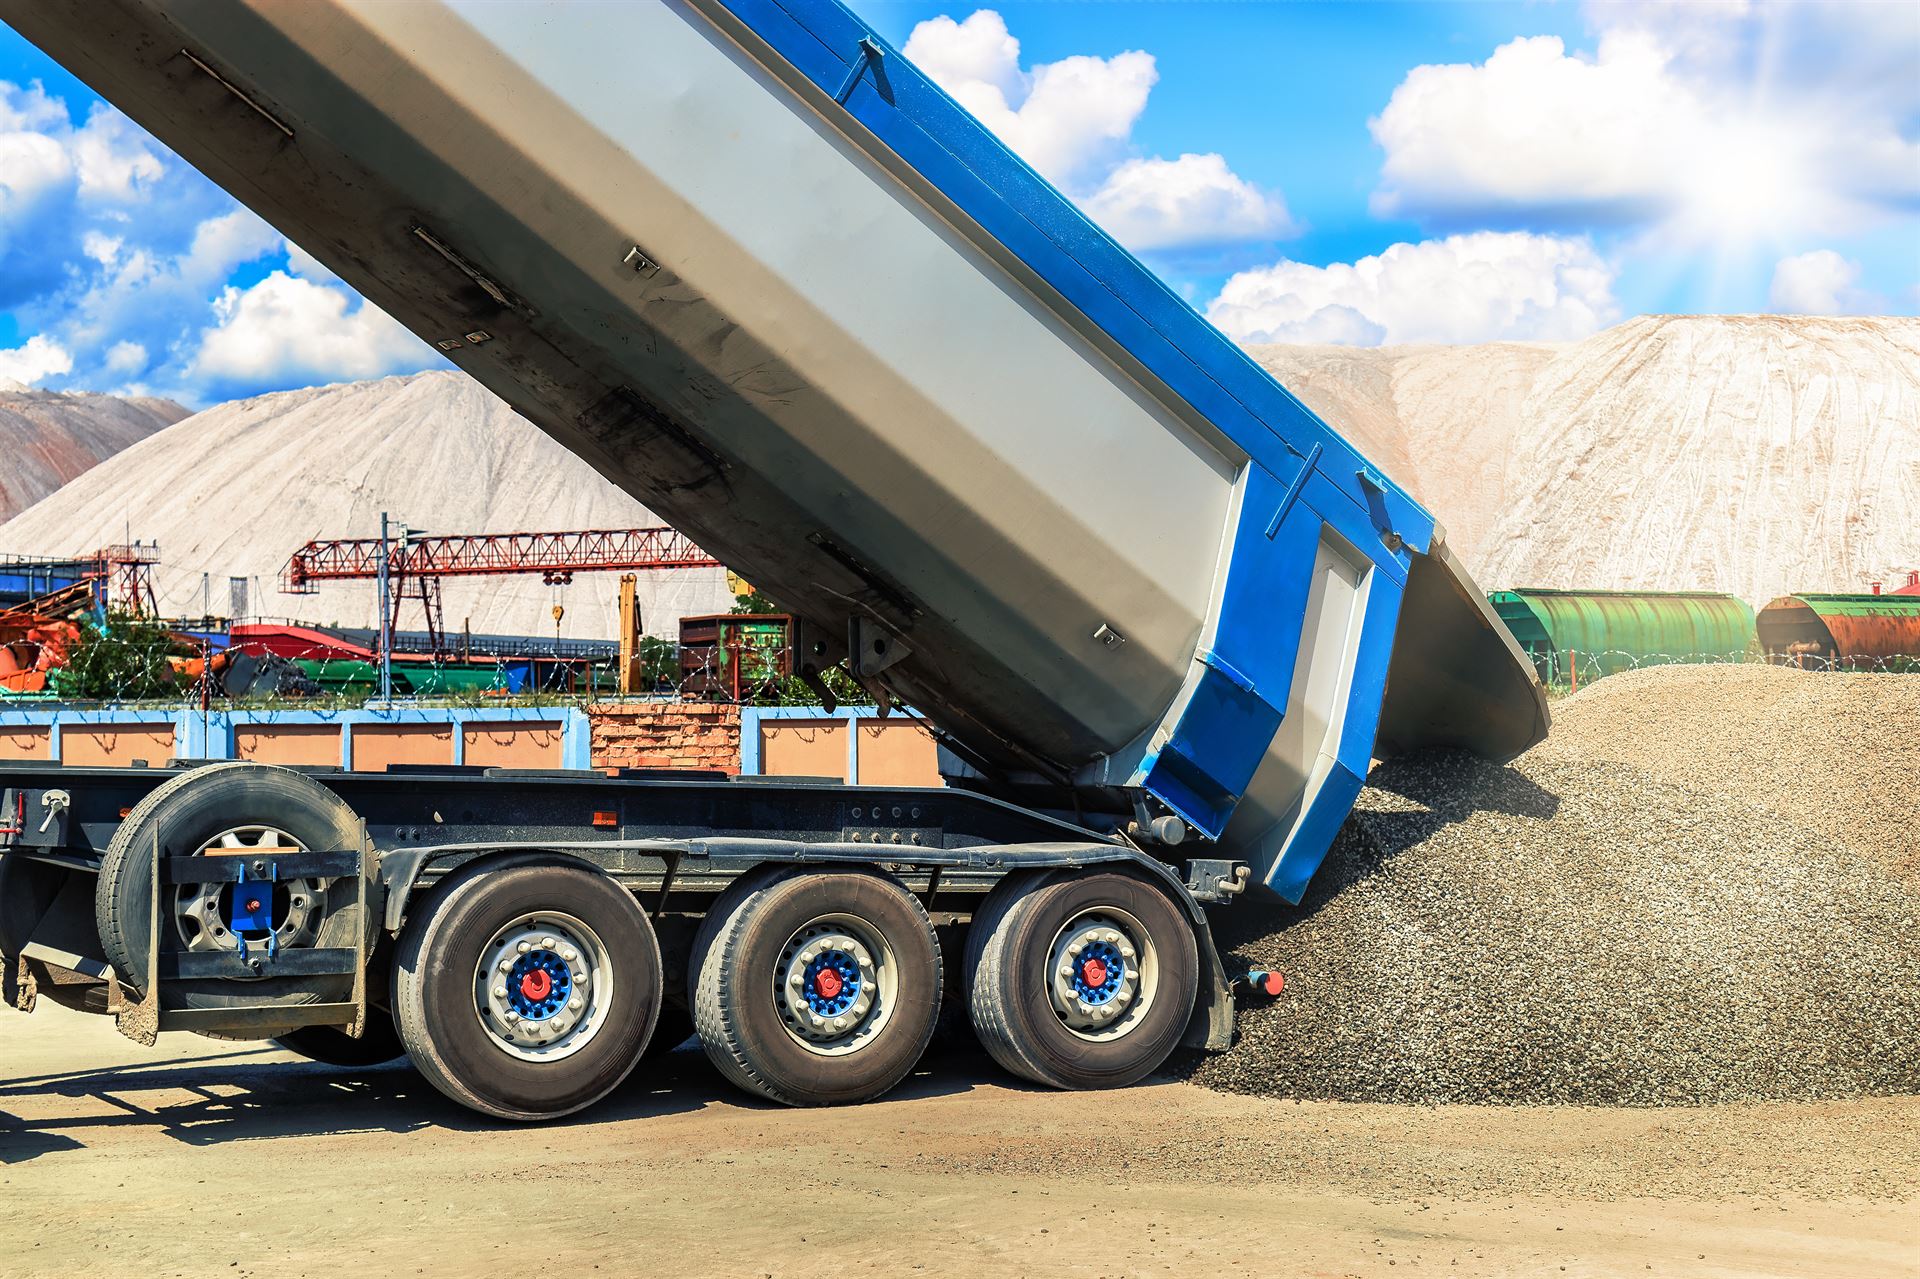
(1752, 454)
(233, 491)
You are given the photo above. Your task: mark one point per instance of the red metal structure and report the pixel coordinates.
(416, 563)
(126, 573)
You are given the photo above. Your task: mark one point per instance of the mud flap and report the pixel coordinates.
(17, 986)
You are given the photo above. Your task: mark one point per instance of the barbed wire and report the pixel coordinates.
(1563, 671)
(60, 673)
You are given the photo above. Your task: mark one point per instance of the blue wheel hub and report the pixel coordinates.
(1098, 972)
(538, 985)
(831, 983)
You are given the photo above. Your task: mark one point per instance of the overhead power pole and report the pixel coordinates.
(386, 621)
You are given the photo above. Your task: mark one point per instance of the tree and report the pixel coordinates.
(122, 657)
(754, 602)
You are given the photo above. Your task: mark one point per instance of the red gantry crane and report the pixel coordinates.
(415, 562)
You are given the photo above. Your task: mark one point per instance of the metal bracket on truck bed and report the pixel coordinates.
(304, 970)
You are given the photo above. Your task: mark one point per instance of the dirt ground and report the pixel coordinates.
(201, 1158)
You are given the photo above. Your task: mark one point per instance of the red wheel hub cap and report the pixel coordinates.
(1093, 972)
(536, 985)
(827, 983)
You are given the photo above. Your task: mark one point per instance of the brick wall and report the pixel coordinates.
(665, 735)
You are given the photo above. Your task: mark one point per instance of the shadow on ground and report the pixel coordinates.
(249, 1095)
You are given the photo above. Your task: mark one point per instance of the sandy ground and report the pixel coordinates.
(203, 1158)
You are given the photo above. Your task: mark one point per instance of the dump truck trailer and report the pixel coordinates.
(758, 270)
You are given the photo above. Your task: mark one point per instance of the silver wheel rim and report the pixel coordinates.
(543, 986)
(201, 917)
(1103, 972)
(835, 984)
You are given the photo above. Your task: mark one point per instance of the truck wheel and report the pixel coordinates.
(816, 987)
(226, 809)
(1081, 979)
(527, 991)
(378, 1044)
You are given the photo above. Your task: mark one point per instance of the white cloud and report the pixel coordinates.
(307, 267)
(28, 108)
(1073, 120)
(126, 359)
(1197, 199)
(1821, 283)
(100, 246)
(113, 253)
(1466, 288)
(1064, 118)
(286, 330)
(220, 244)
(115, 159)
(34, 361)
(1707, 122)
(1532, 127)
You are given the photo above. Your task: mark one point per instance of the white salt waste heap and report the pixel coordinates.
(233, 491)
(1576, 929)
(1752, 454)
(49, 437)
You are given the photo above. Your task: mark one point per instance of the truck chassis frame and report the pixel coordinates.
(650, 831)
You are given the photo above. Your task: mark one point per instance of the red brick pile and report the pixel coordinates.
(665, 735)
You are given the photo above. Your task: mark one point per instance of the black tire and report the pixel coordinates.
(183, 813)
(379, 1043)
(736, 970)
(1010, 963)
(434, 994)
(27, 889)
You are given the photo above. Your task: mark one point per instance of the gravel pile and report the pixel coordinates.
(1837, 752)
(1577, 930)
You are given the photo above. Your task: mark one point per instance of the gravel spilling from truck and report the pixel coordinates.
(1577, 929)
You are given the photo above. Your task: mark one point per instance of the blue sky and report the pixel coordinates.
(1345, 172)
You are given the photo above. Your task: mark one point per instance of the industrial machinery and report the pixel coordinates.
(763, 274)
(415, 563)
(120, 577)
(733, 656)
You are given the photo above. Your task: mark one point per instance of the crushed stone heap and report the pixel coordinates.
(1575, 929)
